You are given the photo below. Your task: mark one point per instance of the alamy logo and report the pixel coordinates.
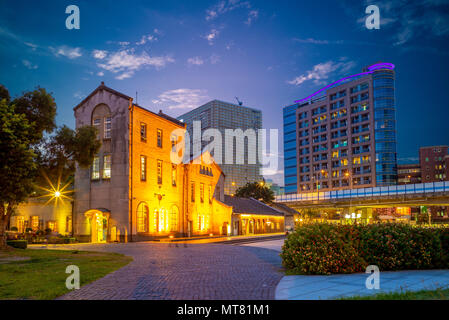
(72, 21)
(373, 281)
(73, 281)
(235, 147)
(373, 20)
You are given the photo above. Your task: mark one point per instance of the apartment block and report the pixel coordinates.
(344, 136)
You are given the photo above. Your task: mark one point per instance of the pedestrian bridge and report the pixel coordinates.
(434, 193)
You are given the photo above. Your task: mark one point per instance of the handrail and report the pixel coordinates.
(396, 190)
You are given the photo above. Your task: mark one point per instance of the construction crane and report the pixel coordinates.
(239, 102)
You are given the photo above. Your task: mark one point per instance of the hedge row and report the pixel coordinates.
(330, 248)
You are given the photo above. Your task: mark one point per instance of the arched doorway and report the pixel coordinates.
(160, 220)
(98, 224)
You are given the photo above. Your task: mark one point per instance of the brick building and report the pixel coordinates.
(434, 163)
(134, 191)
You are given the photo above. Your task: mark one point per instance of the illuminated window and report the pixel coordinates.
(143, 132)
(192, 191)
(52, 225)
(143, 168)
(159, 138)
(96, 168)
(335, 154)
(20, 224)
(173, 175)
(35, 223)
(344, 162)
(107, 127)
(159, 171)
(107, 167)
(202, 192)
(142, 218)
(68, 224)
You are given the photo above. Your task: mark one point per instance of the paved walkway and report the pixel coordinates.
(179, 271)
(275, 245)
(338, 286)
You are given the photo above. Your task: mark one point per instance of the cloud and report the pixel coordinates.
(29, 65)
(182, 98)
(225, 6)
(31, 45)
(71, 53)
(79, 95)
(100, 74)
(212, 36)
(99, 54)
(197, 61)
(127, 62)
(322, 71)
(252, 15)
(147, 38)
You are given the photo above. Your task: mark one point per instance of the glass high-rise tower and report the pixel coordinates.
(344, 135)
(223, 115)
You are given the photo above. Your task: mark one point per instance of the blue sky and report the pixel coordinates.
(180, 54)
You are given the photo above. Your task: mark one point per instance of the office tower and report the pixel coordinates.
(223, 115)
(344, 135)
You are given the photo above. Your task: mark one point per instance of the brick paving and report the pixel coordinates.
(191, 272)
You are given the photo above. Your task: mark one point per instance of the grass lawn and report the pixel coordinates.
(439, 294)
(40, 274)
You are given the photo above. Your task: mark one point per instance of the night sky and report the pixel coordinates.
(180, 54)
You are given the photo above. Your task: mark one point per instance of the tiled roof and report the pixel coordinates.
(250, 206)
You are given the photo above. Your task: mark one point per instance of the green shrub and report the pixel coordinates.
(322, 249)
(330, 248)
(19, 244)
(14, 229)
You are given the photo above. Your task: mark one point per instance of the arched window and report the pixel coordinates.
(102, 120)
(142, 218)
(174, 214)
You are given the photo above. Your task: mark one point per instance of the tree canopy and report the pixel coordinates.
(31, 148)
(257, 191)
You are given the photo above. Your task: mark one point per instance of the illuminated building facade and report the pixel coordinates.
(133, 191)
(223, 115)
(344, 135)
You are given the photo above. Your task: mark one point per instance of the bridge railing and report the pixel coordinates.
(398, 190)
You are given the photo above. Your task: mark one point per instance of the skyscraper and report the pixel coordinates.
(223, 115)
(344, 135)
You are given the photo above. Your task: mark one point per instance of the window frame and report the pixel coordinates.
(104, 176)
(143, 168)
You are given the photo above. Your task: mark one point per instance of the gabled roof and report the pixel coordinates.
(124, 96)
(251, 206)
(102, 87)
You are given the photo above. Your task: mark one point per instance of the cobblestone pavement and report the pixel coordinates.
(178, 271)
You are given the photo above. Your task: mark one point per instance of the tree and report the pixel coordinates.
(257, 191)
(39, 107)
(58, 154)
(17, 165)
(25, 151)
